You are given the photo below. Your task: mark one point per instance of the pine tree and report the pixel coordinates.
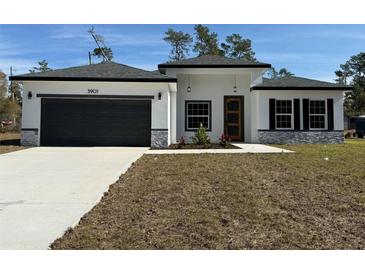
(237, 47)
(43, 67)
(206, 42)
(180, 43)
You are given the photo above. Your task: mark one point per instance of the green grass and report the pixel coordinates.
(311, 199)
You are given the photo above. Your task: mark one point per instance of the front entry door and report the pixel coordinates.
(234, 117)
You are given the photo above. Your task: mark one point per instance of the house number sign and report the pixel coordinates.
(92, 91)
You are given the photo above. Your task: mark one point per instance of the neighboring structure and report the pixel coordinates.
(113, 104)
(350, 121)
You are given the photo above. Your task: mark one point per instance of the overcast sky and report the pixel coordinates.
(313, 51)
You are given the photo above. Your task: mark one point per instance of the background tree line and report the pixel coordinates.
(205, 42)
(10, 101)
(11, 97)
(353, 73)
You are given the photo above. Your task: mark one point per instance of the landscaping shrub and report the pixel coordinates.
(201, 137)
(181, 142)
(223, 140)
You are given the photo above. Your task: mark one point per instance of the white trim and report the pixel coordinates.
(325, 114)
(197, 115)
(286, 114)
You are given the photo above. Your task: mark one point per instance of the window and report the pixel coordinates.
(196, 113)
(284, 114)
(317, 114)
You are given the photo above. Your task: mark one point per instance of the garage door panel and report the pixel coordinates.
(90, 122)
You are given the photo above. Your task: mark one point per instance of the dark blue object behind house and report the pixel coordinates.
(360, 127)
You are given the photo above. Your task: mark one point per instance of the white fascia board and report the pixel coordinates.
(173, 72)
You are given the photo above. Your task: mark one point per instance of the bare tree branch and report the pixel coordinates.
(99, 40)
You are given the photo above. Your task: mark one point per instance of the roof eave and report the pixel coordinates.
(91, 79)
(214, 66)
(303, 88)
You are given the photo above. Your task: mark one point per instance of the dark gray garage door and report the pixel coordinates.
(100, 122)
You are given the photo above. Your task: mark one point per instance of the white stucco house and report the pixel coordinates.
(110, 104)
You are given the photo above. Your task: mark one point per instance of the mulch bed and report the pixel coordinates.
(195, 146)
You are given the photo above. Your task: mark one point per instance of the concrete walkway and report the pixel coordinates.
(46, 190)
(244, 148)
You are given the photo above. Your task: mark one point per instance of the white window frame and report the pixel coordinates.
(187, 115)
(325, 114)
(286, 114)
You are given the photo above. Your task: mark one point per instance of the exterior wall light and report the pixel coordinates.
(30, 95)
(159, 95)
(189, 87)
(235, 85)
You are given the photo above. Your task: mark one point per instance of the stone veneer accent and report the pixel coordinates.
(29, 137)
(159, 138)
(301, 137)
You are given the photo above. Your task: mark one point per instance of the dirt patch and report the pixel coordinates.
(313, 199)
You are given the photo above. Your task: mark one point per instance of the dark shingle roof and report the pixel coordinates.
(108, 71)
(213, 61)
(298, 83)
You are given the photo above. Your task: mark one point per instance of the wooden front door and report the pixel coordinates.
(234, 117)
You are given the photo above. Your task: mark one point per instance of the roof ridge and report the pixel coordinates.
(211, 60)
(109, 71)
(40, 73)
(299, 77)
(298, 82)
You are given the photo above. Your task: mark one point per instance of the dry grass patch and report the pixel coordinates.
(312, 199)
(9, 142)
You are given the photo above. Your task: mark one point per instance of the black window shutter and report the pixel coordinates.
(296, 114)
(272, 114)
(306, 114)
(330, 114)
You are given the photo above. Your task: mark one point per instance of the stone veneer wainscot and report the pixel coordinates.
(301, 137)
(29, 137)
(159, 138)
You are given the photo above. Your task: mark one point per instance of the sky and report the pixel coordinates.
(312, 51)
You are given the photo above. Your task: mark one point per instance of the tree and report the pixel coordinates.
(237, 47)
(3, 85)
(283, 72)
(100, 52)
(343, 74)
(13, 111)
(180, 43)
(206, 42)
(353, 72)
(3, 96)
(43, 67)
(9, 106)
(15, 92)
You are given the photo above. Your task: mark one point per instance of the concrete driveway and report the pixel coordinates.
(45, 190)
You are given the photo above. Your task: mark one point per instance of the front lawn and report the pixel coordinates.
(9, 142)
(311, 199)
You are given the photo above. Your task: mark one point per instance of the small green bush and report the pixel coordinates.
(201, 137)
